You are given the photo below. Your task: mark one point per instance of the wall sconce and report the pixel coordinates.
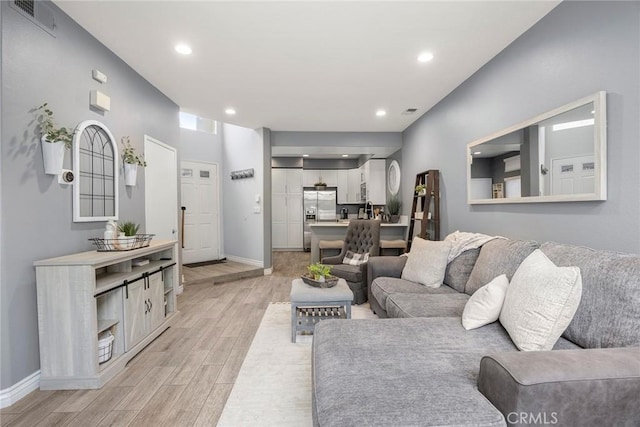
(246, 173)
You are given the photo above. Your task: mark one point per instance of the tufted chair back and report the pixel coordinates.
(363, 236)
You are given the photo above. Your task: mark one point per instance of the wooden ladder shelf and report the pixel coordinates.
(429, 204)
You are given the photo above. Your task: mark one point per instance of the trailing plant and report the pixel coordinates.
(50, 131)
(128, 228)
(420, 187)
(320, 184)
(318, 270)
(129, 153)
(394, 205)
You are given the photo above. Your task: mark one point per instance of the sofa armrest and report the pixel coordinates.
(589, 387)
(385, 266)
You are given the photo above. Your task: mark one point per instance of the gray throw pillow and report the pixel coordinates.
(427, 262)
(499, 256)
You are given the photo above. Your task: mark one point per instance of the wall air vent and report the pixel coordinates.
(27, 6)
(409, 111)
(37, 12)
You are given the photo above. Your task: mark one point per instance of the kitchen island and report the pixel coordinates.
(336, 230)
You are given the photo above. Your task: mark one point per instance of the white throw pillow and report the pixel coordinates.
(427, 262)
(485, 304)
(540, 303)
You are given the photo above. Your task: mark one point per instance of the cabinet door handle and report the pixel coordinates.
(150, 305)
(146, 307)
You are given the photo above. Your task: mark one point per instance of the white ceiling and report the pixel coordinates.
(307, 66)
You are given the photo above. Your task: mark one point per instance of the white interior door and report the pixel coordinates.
(161, 189)
(573, 175)
(199, 185)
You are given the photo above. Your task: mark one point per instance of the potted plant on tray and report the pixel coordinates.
(128, 231)
(320, 185)
(55, 140)
(421, 189)
(393, 207)
(320, 276)
(131, 161)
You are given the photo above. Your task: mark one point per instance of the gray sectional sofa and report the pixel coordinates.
(417, 366)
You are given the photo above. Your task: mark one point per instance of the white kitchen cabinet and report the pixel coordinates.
(353, 191)
(343, 187)
(328, 176)
(374, 174)
(85, 295)
(286, 208)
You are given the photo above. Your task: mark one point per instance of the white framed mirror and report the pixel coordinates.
(393, 177)
(558, 156)
(95, 165)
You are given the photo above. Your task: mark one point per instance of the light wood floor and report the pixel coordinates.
(184, 377)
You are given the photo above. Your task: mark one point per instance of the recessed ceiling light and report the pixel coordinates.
(381, 113)
(425, 57)
(305, 155)
(230, 111)
(345, 155)
(183, 49)
(475, 153)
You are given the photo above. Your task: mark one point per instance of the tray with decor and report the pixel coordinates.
(329, 281)
(128, 243)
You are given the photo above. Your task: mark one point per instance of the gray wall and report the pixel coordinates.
(266, 197)
(244, 235)
(36, 210)
(576, 50)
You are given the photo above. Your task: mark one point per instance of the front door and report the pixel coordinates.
(199, 188)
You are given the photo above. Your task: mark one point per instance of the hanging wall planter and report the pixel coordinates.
(130, 174)
(131, 161)
(53, 156)
(54, 140)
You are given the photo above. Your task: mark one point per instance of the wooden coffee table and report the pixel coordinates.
(309, 305)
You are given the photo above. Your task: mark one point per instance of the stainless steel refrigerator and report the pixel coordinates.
(318, 206)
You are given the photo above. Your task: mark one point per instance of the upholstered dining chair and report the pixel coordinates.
(363, 238)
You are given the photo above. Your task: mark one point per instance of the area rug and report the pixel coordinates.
(273, 387)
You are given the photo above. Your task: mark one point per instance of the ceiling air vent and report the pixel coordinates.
(409, 111)
(37, 12)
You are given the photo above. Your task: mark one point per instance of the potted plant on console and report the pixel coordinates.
(55, 140)
(393, 207)
(128, 231)
(131, 161)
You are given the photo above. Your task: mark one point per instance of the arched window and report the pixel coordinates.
(95, 164)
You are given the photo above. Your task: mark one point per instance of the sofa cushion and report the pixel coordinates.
(499, 256)
(427, 262)
(609, 311)
(485, 304)
(402, 372)
(426, 305)
(350, 273)
(383, 286)
(459, 270)
(540, 302)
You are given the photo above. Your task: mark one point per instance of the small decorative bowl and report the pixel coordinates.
(329, 282)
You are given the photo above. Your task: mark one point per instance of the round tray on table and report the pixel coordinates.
(329, 281)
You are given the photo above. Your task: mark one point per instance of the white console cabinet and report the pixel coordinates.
(82, 296)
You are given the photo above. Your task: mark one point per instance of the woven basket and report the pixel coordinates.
(329, 282)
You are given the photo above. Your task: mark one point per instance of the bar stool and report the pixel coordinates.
(400, 245)
(329, 244)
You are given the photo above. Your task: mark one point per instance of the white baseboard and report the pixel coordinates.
(246, 260)
(11, 395)
(268, 271)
